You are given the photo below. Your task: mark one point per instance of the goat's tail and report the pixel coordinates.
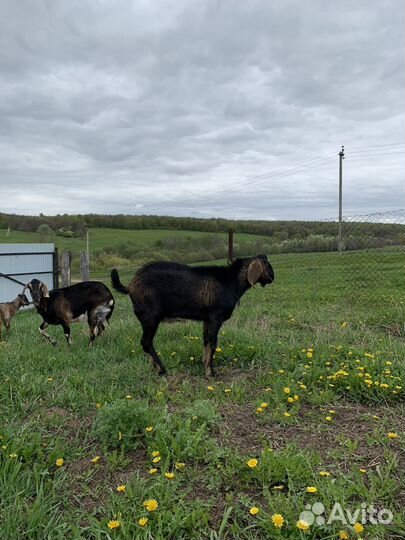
(115, 279)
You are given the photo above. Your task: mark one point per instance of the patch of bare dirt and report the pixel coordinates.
(350, 430)
(92, 483)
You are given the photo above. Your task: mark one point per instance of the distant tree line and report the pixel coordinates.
(278, 231)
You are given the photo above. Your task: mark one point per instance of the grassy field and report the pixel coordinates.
(101, 237)
(307, 409)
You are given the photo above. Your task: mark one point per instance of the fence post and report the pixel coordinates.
(230, 246)
(55, 264)
(65, 268)
(84, 266)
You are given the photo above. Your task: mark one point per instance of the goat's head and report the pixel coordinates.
(23, 300)
(260, 271)
(38, 291)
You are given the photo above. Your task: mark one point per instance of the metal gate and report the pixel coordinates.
(19, 263)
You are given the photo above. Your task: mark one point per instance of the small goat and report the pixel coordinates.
(164, 291)
(9, 309)
(70, 304)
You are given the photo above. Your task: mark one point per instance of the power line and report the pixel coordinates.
(401, 143)
(254, 180)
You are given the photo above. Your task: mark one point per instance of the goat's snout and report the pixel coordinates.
(24, 300)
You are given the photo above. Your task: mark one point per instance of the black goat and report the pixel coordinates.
(164, 291)
(9, 309)
(70, 304)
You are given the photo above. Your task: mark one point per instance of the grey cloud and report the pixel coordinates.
(171, 107)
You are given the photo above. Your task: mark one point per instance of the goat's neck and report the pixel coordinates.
(16, 304)
(42, 306)
(241, 282)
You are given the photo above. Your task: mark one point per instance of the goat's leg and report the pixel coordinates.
(0, 329)
(7, 325)
(211, 330)
(93, 326)
(66, 331)
(149, 331)
(42, 328)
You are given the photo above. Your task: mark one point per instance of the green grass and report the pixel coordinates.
(101, 237)
(324, 328)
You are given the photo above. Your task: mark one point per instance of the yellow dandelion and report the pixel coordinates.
(218, 349)
(210, 388)
(254, 510)
(151, 505)
(113, 524)
(363, 471)
(13, 455)
(324, 473)
(358, 527)
(343, 535)
(302, 525)
(155, 453)
(156, 459)
(259, 410)
(312, 489)
(179, 465)
(128, 396)
(287, 390)
(96, 459)
(252, 463)
(153, 471)
(59, 462)
(392, 435)
(143, 521)
(277, 520)
(328, 418)
(169, 475)
(279, 488)
(264, 405)
(290, 400)
(149, 429)
(287, 414)
(121, 488)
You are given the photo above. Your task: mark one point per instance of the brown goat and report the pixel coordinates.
(70, 304)
(9, 309)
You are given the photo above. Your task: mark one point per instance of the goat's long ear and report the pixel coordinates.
(255, 270)
(44, 289)
(27, 286)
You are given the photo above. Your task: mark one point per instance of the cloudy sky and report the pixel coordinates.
(233, 108)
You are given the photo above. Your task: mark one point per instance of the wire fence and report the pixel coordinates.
(367, 267)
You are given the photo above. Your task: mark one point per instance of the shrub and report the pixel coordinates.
(122, 423)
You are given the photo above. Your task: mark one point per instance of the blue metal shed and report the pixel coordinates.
(24, 262)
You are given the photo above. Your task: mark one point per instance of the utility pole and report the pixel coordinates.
(341, 158)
